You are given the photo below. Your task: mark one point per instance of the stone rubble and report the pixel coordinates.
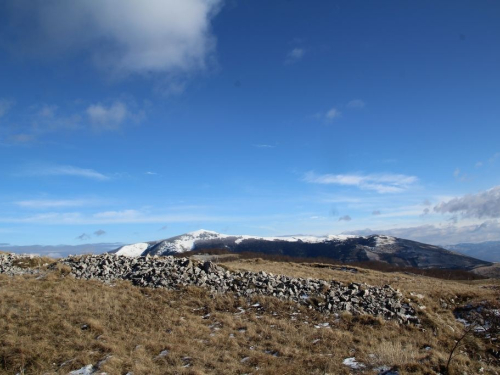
(7, 265)
(174, 273)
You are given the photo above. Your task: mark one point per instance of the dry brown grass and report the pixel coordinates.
(33, 262)
(57, 324)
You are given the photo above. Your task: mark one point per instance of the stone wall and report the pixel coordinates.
(174, 273)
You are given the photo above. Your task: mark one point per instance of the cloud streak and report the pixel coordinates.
(356, 103)
(5, 106)
(332, 114)
(68, 170)
(49, 203)
(381, 183)
(295, 55)
(113, 217)
(345, 218)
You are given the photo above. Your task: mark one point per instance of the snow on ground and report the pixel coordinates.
(385, 240)
(87, 370)
(186, 242)
(352, 363)
(134, 250)
(308, 239)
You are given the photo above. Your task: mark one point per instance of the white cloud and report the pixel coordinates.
(129, 36)
(295, 55)
(108, 118)
(5, 106)
(68, 170)
(48, 203)
(495, 157)
(356, 103)
(264, 146)
(442, 234)
(381, 183)
(345, 218)
(47, 118)
(485, 204)
(333, 113)
(47, 111)
(22, 138)
(130, 216)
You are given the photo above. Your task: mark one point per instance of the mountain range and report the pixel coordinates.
(489, 250)
(345, 248)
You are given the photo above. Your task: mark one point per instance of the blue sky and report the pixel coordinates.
(125, 121)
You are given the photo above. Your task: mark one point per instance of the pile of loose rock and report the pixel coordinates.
(174, 273)
(9, 267)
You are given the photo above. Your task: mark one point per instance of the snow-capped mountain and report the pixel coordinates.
(193, 240)
(346, 248)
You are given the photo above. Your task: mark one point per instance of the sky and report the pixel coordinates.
(125, 121)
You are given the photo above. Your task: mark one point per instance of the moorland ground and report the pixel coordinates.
(52, 324)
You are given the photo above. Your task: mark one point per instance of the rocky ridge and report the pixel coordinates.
(173, 273)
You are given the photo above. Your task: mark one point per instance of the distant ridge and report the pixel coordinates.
(345, 248)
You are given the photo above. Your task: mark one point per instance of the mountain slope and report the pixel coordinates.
(346, 248)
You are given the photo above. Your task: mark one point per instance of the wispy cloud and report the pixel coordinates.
(485, 204)
(345, 218)
(99, 233)
(376, 212)
(53, 203)
(264, 146)
(495, 157)
(5, 106)
(68, 170)
(381, 183)
(21, 138)
(130, 216)
(295, 55)
(332, 114)
(49, 118)
(108, 118)
(356, 103)
(441, 234)
(83, 237)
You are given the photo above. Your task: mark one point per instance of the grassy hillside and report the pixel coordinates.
(55, 324)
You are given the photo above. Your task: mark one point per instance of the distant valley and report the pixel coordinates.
(489, 251)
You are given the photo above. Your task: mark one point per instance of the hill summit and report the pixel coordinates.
(345, 248)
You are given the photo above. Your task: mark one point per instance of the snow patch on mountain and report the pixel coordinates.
(188, 241)
(385, 240)
(134, 250)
